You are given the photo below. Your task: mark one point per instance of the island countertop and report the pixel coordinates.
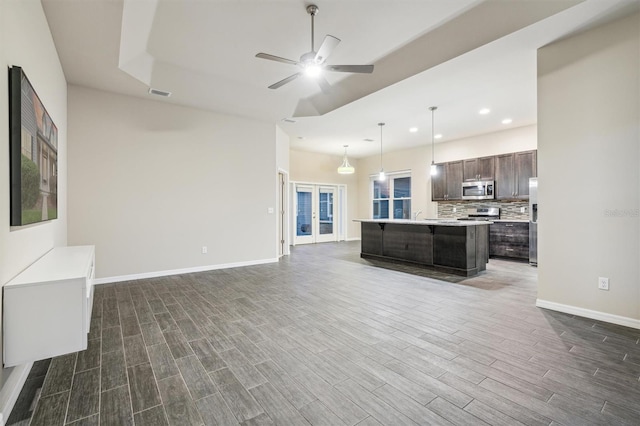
(439, 222)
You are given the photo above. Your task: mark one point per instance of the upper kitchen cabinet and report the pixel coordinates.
(447, 183)
(512, 174)
(479, 168)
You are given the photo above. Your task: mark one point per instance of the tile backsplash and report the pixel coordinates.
(508, 209)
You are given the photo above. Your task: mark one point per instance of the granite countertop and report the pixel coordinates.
(439, 222)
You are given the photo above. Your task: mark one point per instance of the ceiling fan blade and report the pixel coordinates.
(363, 69)
(328, 44)
(324, 85)
(285, 81)
(276, 58)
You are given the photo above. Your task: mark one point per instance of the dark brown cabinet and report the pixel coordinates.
(447, 183)
(512, 175)
(509, 239)
(479, 168)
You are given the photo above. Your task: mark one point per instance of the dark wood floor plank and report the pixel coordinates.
(115, 407)
(490, 415)
(434, 385)
(85, 395)
(520, 413)
(144, 391)
(135, 351)
(318, 414)
(379, 409)
(60, 374)
(152, 417)
(195, 377)
(214, 411)
(239, 401)
(295, 393)
(409, 407)
(162, 361)
(51, 410)
(454, 414)
(89, 358)
(208, 356)
(277, 406)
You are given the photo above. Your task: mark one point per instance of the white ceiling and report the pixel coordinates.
(461, 55)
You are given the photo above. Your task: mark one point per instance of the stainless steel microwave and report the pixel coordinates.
(478, 190)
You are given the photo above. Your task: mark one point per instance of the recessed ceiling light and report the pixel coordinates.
(300, 137)
(438, 136)
(507, 121)
(368, 140)
(484, 111)
(413, 129)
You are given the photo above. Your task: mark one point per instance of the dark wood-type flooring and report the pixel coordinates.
(326, 338)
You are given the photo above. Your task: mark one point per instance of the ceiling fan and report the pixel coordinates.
(313, 63)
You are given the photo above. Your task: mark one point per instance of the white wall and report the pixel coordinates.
(150, 183)
(25, 41)
(312, 167)
(418, 160)
(589, 185)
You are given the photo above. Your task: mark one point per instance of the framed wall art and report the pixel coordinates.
(33, 139)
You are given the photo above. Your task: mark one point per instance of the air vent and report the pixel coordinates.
(368, 140)
(153, 91)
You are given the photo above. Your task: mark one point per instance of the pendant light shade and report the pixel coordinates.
(381, 176)
(346, 168)
(434, 169)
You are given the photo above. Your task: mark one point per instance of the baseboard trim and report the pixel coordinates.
(11, 390)
(353, 239)
(167, 273)
(588, 313)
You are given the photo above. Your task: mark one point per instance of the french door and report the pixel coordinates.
(315, 213)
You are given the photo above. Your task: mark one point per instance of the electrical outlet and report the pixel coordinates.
(455, 209)
(603, 283)
(523, 209)
(270, 210)
(204, 249)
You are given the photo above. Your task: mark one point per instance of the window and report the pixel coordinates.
(395, 193)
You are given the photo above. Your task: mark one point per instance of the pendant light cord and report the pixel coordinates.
(381, 124)
(433, 108)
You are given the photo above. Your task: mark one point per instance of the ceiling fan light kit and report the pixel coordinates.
(313, 63)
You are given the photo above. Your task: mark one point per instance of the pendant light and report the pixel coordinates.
(381, 176)
(434, 169)
(346, 168)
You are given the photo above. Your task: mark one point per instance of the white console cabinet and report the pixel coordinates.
(47, 307)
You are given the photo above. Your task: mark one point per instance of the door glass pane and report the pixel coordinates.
(303, 217)
(381, 189)
(381, 209)
(402, 209)
(326, 212)
(402, 187)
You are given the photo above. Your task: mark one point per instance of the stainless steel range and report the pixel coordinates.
(483, 213)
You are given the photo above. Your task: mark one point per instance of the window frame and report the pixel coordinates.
(390, 178)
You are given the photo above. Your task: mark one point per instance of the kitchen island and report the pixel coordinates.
(456, 247)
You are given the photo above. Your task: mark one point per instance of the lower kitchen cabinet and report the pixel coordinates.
(509, 240)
